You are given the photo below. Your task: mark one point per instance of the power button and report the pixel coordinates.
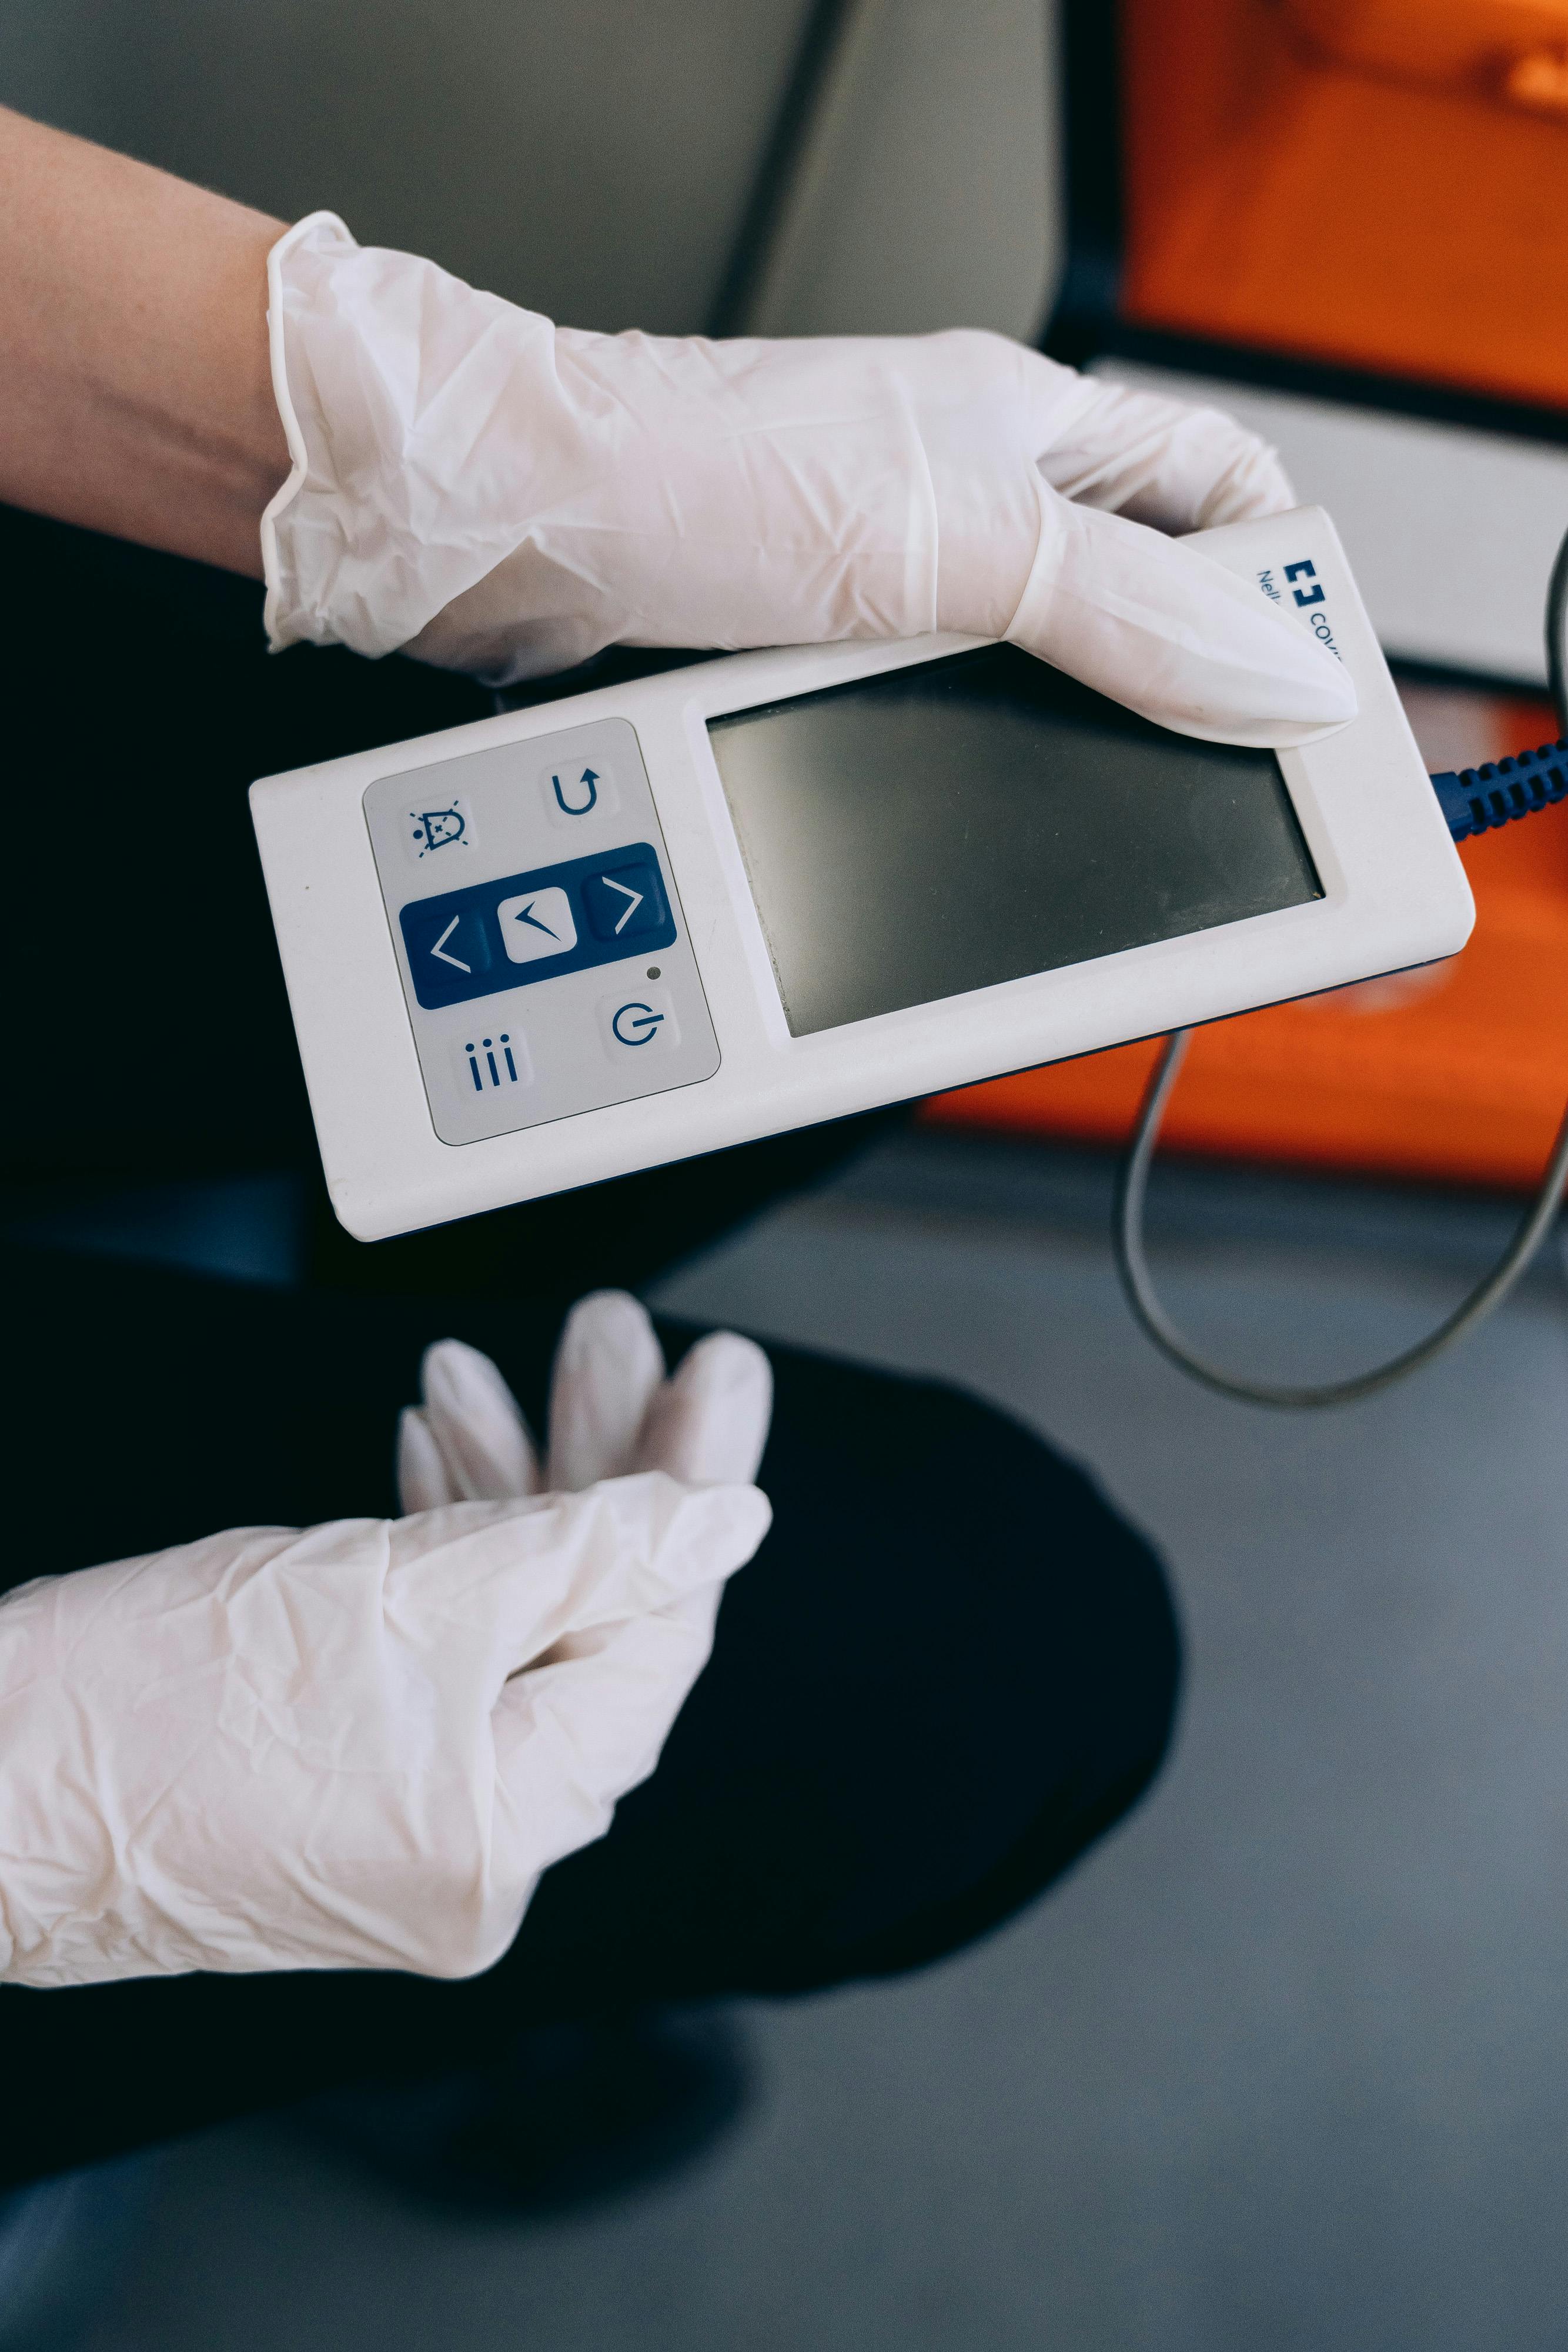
(638, 1023)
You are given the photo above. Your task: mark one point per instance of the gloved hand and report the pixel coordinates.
(497, 494)
(612, 1413)
(360, 1745)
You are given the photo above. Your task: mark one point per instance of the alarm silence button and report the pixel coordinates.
(435, 833)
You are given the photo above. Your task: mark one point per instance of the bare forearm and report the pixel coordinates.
(135, 396)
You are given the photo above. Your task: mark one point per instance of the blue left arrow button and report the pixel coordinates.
(448, 950)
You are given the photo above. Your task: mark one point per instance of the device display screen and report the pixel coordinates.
(941, 828)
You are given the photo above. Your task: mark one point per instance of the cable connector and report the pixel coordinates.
(1478, 799)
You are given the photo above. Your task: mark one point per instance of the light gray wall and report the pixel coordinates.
(930, 195)
(1450, 532)
(593, 158)
(589, 157)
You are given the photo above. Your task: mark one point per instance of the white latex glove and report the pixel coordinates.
(612, 1413)
(359, 1746)
(500, 495)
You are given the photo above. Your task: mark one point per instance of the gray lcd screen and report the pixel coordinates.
(968, 821)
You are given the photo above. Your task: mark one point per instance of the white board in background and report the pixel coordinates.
(1450, 532)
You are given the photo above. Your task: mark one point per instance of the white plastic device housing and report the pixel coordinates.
(1395, 894)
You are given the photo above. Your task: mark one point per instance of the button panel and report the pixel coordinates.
(558, 920)
(557, 978)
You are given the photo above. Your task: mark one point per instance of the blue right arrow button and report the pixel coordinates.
(624, 902)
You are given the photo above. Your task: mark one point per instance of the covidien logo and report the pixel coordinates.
(1305, 598)
(1294, 571)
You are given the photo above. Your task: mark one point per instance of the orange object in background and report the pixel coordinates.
(1458, 1073)
(1378, 184)
(1381, 186)
(1487, 48)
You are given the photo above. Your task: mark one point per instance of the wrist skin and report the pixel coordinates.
(135, 383)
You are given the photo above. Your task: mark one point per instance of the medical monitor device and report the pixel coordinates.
(659, 918)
